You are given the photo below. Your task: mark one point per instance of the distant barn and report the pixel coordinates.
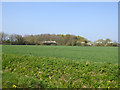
(49, 43)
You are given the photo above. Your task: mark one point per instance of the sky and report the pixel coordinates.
(91, 20)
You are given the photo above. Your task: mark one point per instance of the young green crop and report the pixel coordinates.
(51, 72)
(95, 54)
(59, 67)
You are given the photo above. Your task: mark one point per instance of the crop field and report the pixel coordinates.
(37, 66)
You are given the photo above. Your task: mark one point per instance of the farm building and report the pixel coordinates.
(82, 42)
(109, 42)
(49, 43)
(89, 44)
(99, 42)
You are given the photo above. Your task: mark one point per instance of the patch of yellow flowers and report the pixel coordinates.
(14, 86)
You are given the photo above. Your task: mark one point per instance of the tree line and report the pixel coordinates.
(68, 40)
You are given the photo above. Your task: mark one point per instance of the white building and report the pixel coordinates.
(49, 42)
(99, 42)
(82, 42)
(89, 43)
(109, 42)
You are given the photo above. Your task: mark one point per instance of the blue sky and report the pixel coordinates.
(92, 20)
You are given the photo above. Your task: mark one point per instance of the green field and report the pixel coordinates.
(59, 66)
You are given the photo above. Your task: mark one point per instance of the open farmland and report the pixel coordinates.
(96, 54)
(59, 66)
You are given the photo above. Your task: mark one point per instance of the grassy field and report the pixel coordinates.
(96, 54)
(59, 66)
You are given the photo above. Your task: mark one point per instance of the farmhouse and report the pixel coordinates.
(82, 42)
(109, 42)
(49, 43)
(99, 42)
(89, 44)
